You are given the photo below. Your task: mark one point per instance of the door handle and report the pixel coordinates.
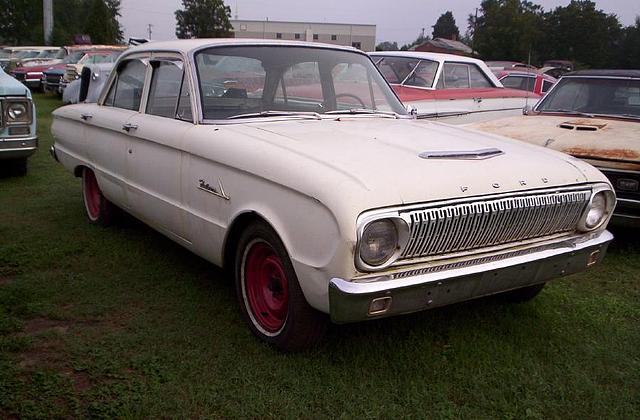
(477, 100)
(86, 117)
(128, 127)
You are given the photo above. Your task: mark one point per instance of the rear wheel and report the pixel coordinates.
(269, 293)
(524, 294)
(99, 210)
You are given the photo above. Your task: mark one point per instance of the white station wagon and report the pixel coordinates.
(296, 167)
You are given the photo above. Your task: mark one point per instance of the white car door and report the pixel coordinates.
(105, 129)
(155, 152)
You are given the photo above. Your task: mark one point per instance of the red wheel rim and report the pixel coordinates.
(92, 194)
(266, 287)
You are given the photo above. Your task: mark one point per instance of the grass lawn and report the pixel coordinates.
(121, 321)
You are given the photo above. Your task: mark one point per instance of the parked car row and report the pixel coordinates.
(296, 167)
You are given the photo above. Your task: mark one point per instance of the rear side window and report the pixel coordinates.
(166, 84)
(462, 76)
(546, 85)
(519, 82)
(126, 91)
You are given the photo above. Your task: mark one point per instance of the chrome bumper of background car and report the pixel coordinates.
(15, 148)
(352, 301)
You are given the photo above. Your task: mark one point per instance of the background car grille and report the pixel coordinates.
(479, 224)
(20, 76)
(53, 79)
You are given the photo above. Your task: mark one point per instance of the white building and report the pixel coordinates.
(354, 35)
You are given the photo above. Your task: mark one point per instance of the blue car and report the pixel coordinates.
(18, 139)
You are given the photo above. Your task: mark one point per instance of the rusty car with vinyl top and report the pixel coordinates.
(593, 115)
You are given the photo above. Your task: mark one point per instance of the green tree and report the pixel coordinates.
(445, 27)
(629, 52)
(101, 22)
(582, 33)
(507, 30)
(387, 46)
(21, 22)
(203, 19)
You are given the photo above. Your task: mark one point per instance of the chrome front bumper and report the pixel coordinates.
(420, 289)
(16, 148)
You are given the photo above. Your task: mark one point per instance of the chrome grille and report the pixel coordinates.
(473, 225)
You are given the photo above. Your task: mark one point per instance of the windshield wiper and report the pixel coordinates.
(356, 111)
(568, 111)
(314, 115)
(632, 116)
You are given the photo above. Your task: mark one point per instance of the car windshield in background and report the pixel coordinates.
(248, 81)
(421, 73)
(73, 58)
(594, 96)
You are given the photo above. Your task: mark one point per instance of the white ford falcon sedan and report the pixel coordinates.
(296, 167)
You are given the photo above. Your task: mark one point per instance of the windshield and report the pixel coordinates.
(596, 96)
(73, 58)
(278, 80)
(27, 54)
(47, 54)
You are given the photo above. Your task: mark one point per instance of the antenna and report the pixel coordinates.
(236, 9)
(149, 31)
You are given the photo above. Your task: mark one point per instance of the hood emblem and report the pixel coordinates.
(463, 154)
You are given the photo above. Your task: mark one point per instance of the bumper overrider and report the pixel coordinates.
(431, 287)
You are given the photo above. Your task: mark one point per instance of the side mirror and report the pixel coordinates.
(412, 110)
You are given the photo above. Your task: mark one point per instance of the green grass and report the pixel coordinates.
(123, 322)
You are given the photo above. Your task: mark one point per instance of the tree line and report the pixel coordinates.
(521, 30)
(21, 21)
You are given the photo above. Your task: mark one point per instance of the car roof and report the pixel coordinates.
(525, 72)
(428, 56)
(635, 74)
(188, 45)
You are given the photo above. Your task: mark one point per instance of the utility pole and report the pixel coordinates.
(149, 26)
(47, 20)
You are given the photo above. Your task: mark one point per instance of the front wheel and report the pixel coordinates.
(270, 297)
(99, 210)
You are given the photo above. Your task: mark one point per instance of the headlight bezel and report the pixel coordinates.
(7, 103)
(610, 203)
(402, 230)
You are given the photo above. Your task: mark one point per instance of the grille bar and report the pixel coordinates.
(474, 225)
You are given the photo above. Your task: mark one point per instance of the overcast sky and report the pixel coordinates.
(399, 21)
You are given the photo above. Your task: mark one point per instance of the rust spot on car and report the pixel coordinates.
(587, 123)
(622, 154)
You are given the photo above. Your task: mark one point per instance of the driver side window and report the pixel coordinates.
(126, 90)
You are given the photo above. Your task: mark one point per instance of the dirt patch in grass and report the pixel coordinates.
(4, 281)
(37, 326)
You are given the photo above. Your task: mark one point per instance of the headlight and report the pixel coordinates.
(600, 208)
(18, 112)
(379, 241)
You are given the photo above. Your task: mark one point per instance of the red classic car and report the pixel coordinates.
(461, 89)
(528, 80)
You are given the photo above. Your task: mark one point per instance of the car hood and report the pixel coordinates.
(10, 86)
(604, 141)
(381, 157)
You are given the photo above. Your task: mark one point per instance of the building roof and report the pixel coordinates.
(300, 22)
(187, 45)
(606, 73)
(446, 44)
